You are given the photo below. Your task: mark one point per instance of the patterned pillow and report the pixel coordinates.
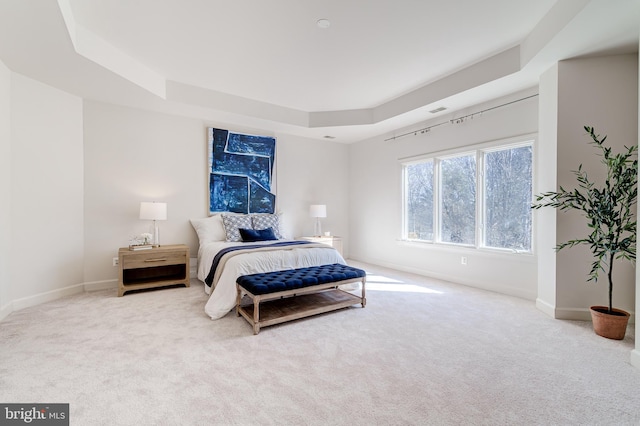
(266, 220)
(232, 222)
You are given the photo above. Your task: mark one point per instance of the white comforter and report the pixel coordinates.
(222, 294)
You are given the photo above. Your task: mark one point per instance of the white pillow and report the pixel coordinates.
(209, 229)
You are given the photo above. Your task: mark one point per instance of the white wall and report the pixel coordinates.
(47, 250)
(600, 92)
(134, 155)
(376, 205)
(131, 156)
(313, 172)
(5, 190)
(546, 180)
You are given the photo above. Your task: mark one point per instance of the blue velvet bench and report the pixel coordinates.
(281, 296)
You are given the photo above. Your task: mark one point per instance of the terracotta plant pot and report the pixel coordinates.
(611, 326)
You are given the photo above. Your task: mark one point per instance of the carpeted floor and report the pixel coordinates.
(423, 352)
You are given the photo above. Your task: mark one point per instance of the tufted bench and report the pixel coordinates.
(315, 289)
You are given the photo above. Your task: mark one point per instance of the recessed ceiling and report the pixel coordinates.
(378, 66)
(273, 51)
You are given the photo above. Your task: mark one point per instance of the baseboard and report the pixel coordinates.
(563, 313)
(548, 309)
(37, 299)
(635, 358)
(48, 296)
(576, 314)
(100, 285)
(5, 310)
(457, 280)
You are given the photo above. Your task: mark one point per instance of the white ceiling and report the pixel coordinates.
(380, 66)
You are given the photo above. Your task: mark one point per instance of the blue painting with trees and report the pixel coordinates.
(241, 172)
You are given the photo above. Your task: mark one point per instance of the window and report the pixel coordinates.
(507, 194)
(419, 200)
(458, 200)
(478, 198)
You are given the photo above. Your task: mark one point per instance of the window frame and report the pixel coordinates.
(479, 150)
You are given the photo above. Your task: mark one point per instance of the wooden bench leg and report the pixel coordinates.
(256, 315)
(364, 299)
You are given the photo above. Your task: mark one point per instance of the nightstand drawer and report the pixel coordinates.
(153, 259)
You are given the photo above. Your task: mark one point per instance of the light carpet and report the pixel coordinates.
(422, 352)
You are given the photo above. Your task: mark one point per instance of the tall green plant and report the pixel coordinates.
(608, 209)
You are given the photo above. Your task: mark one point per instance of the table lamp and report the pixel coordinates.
(318, 211)
(154, 211)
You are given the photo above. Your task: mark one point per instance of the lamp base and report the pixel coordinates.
(317, 231)
(156, 235)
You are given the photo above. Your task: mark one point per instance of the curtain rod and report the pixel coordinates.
(457, 120)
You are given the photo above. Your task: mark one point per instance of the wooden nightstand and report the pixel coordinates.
(335, 242)
(156, 267)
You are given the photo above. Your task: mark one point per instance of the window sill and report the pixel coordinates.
(459, 248)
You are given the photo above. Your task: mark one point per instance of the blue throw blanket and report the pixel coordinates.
(218, 256)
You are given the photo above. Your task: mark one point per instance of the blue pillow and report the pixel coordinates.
(252, 235)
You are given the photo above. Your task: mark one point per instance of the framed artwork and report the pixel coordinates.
(241, 172)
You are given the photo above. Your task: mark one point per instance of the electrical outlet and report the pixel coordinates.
(115, 261)
(463, 260)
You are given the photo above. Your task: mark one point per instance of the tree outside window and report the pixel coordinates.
(458, 201)
(419, 201)
(508, 192)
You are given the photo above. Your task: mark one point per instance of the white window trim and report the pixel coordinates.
(529, 139)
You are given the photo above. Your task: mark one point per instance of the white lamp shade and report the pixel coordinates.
(153, 211)
(318, 210)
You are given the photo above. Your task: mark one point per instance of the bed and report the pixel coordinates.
(220, 240)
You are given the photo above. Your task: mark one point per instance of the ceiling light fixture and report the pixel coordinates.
(439, 109)
(323, 23)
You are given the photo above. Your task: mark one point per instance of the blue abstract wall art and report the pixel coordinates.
(241, 172)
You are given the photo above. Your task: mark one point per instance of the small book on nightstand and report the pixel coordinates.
(141, 247)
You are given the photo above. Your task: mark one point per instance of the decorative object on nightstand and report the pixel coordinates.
(154, 211)
(318, 211)
(143, 241)
(333, 241)
(152, 268)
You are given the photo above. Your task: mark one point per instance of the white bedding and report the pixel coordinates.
(222, 295)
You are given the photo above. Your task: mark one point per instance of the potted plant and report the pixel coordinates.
(611, 219)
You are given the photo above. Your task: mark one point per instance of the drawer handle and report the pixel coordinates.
(157, 259)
